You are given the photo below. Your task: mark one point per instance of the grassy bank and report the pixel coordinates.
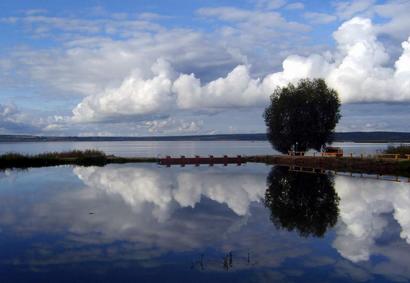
(99, 158)
(75, 157)
(402, 150)
(343, 164)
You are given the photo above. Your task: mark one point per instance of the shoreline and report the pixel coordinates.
(379, 166)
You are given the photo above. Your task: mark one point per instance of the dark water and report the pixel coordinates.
(175, 148)
(254, 223)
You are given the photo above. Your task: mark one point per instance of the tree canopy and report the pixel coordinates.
(302, 116)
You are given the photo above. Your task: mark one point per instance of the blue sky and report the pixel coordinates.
(196, 67)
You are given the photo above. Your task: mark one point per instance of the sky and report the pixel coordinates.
(143, 68)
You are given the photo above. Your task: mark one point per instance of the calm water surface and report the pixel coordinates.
(253, 223)
(175, 148)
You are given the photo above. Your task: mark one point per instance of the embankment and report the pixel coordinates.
(379, 166)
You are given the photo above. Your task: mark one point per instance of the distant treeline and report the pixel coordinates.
(340, 137)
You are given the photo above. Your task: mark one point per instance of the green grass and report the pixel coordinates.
(86, 157)
(75, 157)
(400, 149)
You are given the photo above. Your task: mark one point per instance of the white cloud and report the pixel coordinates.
(173, 126)
(255, 23)
(43, 25)
(398, 21)
(261, 38)
(395, 23)
(357, 70)
(347, 9)
(108, 59)
(12, 120)
(319, 18)
(271, 4)
(237, 89)
(87, 64)
(295, 6)
(135, 97)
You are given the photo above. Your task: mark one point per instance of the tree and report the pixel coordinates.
(305, 202)
(302, 116)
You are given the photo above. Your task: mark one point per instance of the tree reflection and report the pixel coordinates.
(305, 202)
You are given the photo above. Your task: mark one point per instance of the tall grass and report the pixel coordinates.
(78, 157)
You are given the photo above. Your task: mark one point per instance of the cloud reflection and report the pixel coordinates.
(163, 189)
(142, 212)
(364, 209)
(138, 204)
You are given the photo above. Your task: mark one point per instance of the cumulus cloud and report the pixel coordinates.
(99, 53)
(136, 96)
(235, 90)
(112, 62)
(395, 22)
(357, 70)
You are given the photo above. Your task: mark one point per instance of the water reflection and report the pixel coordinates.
(305, 202)
(369, 211)
(165, 190)
(146, 219)
(140, 205)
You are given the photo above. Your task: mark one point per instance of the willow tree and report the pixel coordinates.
(302, 116)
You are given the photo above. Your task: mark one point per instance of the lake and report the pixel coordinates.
(175, 148)
(251, 223)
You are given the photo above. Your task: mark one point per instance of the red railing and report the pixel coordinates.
(197, 160)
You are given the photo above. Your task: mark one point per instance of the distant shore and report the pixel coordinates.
(378, 166)
(358, 137)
